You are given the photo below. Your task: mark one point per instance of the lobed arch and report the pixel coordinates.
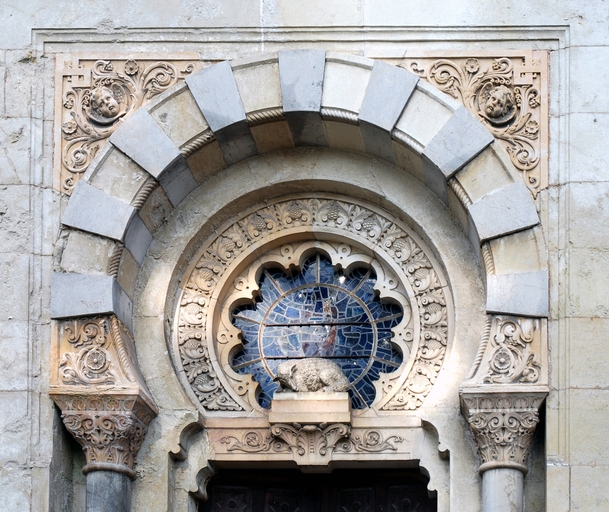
(227, 114)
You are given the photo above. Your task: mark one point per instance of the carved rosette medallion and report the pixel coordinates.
(97, 94)
(507, 94)
(503, 425)
(349, 233)
(97, 385)
(512, 351)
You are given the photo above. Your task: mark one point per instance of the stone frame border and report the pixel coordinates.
(285, 100)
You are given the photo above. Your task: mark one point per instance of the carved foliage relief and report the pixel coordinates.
(511, 352)
(96, 95)
(508, 94)
(503, 426)
(426, 337)
(97, 385)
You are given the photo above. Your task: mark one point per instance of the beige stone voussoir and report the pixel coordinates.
(344, 136)
(115, 173)
(488, 172)
(524, 251)
(426, 112)
(177, 114)
(258, 83)
(86, 253)
(272, 136)
(345, 81)
(127, 274)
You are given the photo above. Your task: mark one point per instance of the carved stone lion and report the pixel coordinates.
(311, 374)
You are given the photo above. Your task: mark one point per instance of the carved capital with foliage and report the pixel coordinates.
(97, 385)
(503, 424)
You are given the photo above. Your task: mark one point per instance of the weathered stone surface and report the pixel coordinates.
(74, 295)
(518, 294)
(301, 73)
(137, 238)
(345, 81)
(457, 142)
(92, 210)
(216, 93)
(108, 490)
(504, 211)
(424, 115)
(143, 140)
(388, 90)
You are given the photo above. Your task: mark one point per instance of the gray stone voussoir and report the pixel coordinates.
(178, 181)
(145, 142)
(216, 93)
(76, 295)
(386, 95)
(301, 74)
(457, 142)
(523, 294)
(137, 238)
(504, 211)
(95, 211)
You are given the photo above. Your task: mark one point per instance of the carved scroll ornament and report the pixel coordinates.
(98, 94)
(511, 352)
(506, 94)
(503, 426)
(98, 387)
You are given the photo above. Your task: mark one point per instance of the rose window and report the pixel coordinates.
(318, 312)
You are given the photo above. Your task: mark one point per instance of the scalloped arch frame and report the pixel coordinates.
(229, 112)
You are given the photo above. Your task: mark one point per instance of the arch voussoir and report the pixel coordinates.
(304, 98)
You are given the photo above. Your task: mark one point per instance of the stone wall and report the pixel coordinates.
(40, 463)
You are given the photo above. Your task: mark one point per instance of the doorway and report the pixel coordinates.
(344, 490)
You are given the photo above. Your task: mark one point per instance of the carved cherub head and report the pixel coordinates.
(104, 103)
(498, 103)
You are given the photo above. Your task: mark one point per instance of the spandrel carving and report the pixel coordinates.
(97, 94)
(506, 93)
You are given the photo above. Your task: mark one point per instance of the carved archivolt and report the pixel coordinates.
(507, 95)
(281, 234)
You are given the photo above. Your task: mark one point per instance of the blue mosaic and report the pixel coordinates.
(318, 313)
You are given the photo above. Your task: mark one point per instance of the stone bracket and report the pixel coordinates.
(96, 383)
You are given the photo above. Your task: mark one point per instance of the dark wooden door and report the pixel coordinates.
(346, 490)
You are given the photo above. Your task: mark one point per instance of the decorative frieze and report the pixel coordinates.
(503, 425)
(95, 381)
(311, 445)
(507, 93)
(97, 94)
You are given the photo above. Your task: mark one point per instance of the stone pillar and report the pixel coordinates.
(108, 491)
(105, 404)
(503, 423)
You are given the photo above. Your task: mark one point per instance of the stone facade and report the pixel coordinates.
(155, 159)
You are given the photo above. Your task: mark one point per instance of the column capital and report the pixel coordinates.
(96, 382)
(503, 423)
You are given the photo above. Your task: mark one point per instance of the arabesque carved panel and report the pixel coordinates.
(507, 93)
(97, 94)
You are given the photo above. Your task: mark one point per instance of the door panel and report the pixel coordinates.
(373, 490)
